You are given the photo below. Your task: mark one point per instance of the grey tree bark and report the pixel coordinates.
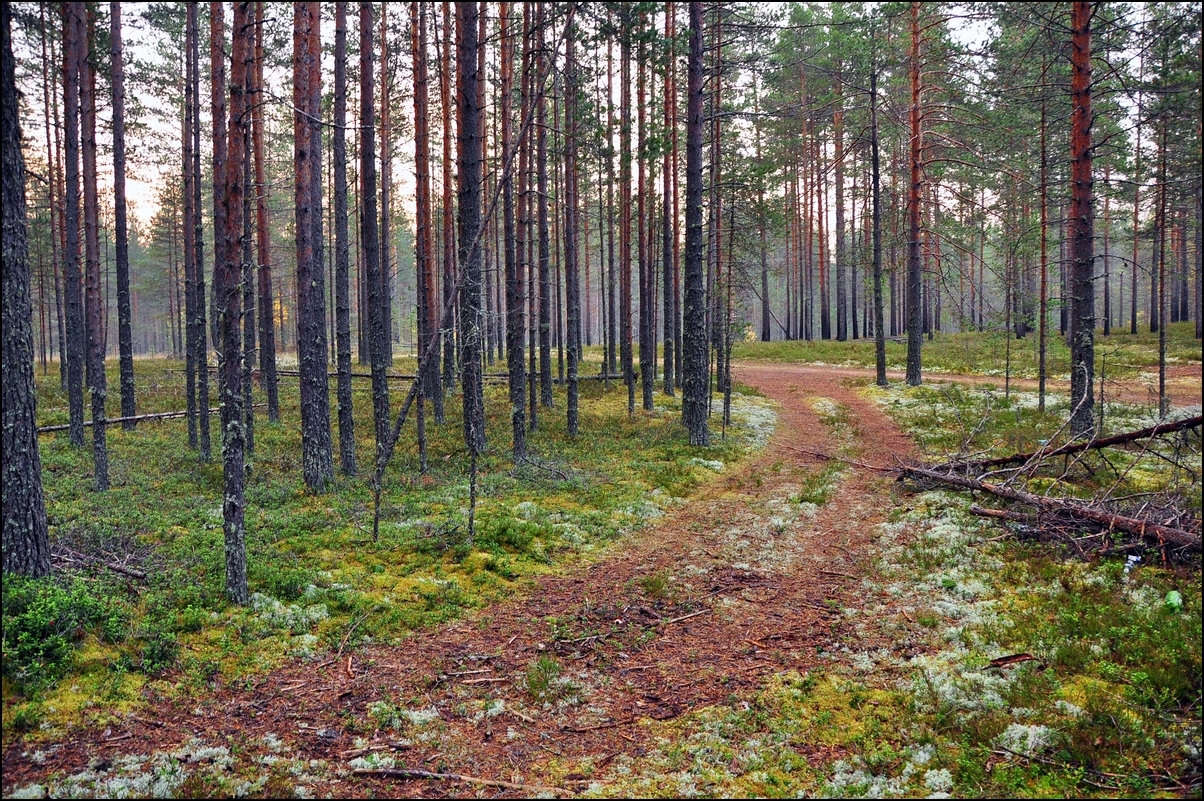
(694, 356)
(316, 452)
(26, 545)
(342, 254)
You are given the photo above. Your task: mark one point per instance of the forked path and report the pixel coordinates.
(707, 601)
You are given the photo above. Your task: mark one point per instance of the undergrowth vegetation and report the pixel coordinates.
(83, 645)
(1122, 355)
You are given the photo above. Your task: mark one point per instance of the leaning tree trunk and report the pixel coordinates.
(694, 357)
(26, 543)
(94, 293)
(1082, 254)
(316, 453)
(125, 339)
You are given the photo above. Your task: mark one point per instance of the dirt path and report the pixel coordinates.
(1183, 382)
(703, 604)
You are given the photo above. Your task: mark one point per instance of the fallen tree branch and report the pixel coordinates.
(137, 418)
(1163, 535)
(1001, 514)
(407, 773)
(1106, 442)
(114, 566)
(828, 457)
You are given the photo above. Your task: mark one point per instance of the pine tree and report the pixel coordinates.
(316, 453)
(124, 332)
(695, 390)
(26, 544)
(469, 175)
(342, 247)
(1082, 218)
(93, 296)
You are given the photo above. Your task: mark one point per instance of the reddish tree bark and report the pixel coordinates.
(1082, 230)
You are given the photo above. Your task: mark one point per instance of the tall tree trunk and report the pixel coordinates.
(426, 289)
(875, 168)
(515, 321)
(73, 45)
(842, 299)
(447, 337)
(469, 174)
(54, 161)
(526, 226)
(385, 296)
(541, 205)
(1043, 313)
(715, 226)
(694, 359)
(342, 245)
(267, 327)
(316, 456)
(572, 290)
(228, 298)
(647, 276)
(1163, 229)
(245, 245)
(1107, 265)
(25, 539)
(369, 235)
(93, 299)
(1082, 214)
(218, 89)
(125, 340)
(625, 332)
(915, 310)
(611, 365)
(668, 168)
(190, 234)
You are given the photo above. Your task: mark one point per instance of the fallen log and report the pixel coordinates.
(137, 418)
(408, 773)
(1163, 535)
(1105, 442)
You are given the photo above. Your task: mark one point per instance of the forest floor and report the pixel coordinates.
(576, 685)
